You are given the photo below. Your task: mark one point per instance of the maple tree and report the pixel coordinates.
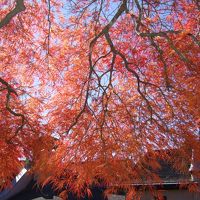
(109, 79)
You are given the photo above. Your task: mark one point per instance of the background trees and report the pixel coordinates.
(110, 80)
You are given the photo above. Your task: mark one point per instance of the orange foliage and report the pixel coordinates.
(110, 80)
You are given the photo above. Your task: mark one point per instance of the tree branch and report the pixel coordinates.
(10, 90)
(121, 9)
(18, 8)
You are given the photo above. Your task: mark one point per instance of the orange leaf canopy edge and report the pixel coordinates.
(87, 88)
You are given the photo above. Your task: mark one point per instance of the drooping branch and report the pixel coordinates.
(11, 91)
(139, 82)
(121, 9)
(129, 69)
(18, 8)
(15, 114)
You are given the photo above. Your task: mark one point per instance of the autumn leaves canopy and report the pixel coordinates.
(88, 87)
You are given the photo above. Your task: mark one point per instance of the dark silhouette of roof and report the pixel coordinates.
(34, 191)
